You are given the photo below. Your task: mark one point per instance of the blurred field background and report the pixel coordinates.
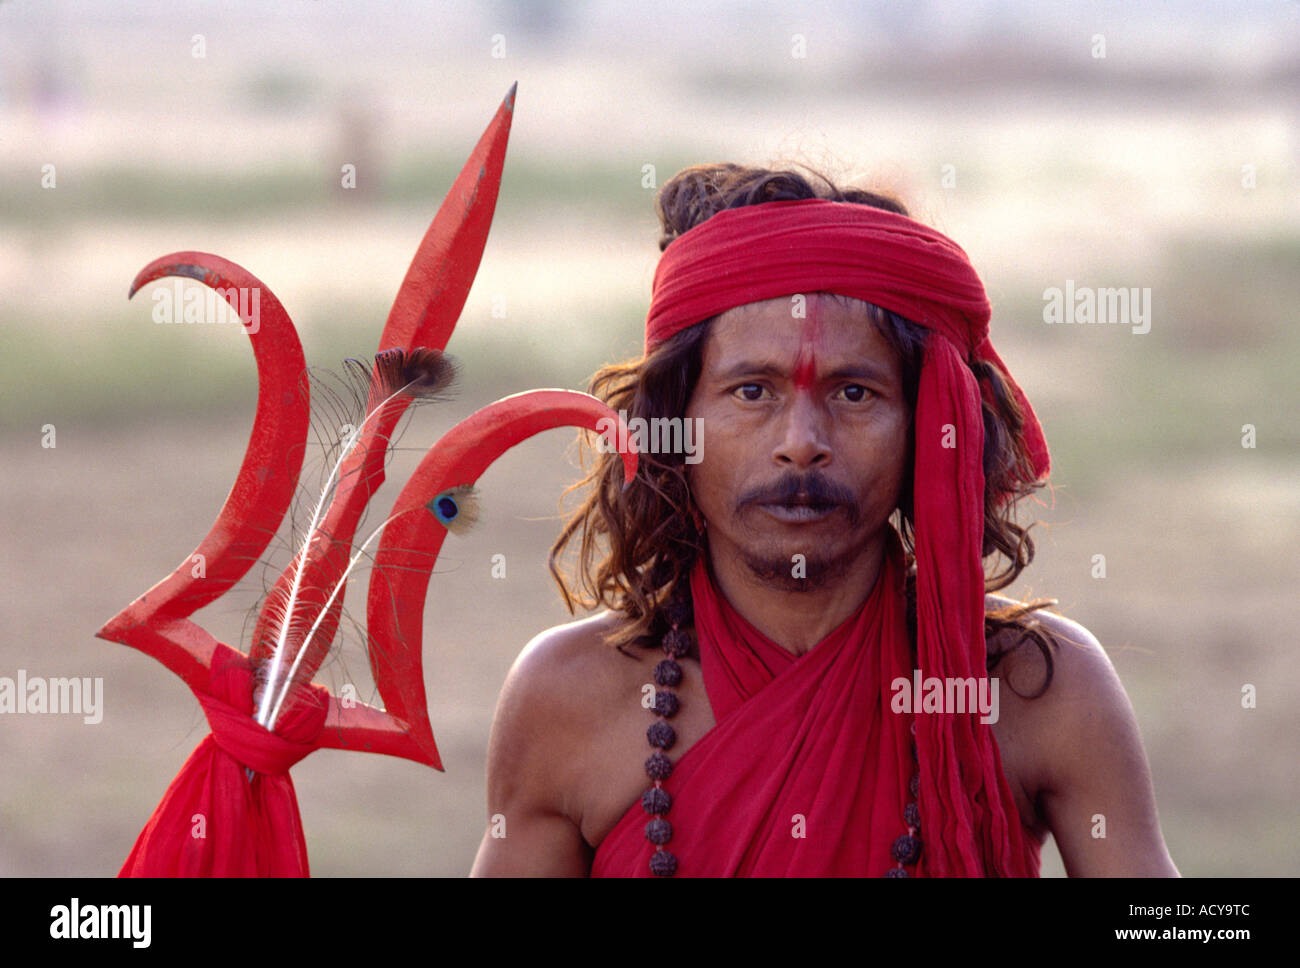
(1169, 163)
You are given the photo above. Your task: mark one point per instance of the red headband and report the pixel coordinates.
(758, 252)
(745, 255)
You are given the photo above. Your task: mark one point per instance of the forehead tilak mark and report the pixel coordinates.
(805, 367)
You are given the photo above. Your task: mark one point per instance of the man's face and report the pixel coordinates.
(806, 436)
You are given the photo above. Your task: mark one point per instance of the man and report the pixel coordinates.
(745, 705)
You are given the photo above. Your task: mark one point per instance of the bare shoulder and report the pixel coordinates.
(1082, 752)
(565, 676)
(569, 650)
(566, 680)
(556, 686)
(1079, 669)
(552, 697)
(1084, 696)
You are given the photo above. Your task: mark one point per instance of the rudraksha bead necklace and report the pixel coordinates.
(906, 850)
(657, 801)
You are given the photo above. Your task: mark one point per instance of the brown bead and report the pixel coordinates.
(668, 673)
(663, 864)
(678, 611)
(656, 800)
(912, 815)
(667, 704)
(906, 849)
(661, 735)
(659, 831)
(659, 767)
(896, 872)
(676, 642)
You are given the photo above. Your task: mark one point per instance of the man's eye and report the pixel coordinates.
(856, 392)
(749, 391)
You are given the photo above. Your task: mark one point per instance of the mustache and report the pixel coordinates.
(815, 487)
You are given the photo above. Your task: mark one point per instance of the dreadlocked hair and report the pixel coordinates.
(636, 547)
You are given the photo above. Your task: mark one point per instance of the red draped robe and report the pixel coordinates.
(807, 769)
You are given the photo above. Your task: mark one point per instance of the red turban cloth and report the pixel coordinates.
(806, 736)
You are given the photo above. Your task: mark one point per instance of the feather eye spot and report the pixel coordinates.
(456, 508)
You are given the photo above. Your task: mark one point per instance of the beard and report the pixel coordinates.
(777, 571)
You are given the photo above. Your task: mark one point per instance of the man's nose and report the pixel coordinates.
(804, 439)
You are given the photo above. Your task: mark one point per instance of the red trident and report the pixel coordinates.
(232, 810)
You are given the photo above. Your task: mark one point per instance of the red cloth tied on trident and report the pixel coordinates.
(970, 825)
(214, 821)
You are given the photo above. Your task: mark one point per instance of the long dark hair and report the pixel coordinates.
(637, 547)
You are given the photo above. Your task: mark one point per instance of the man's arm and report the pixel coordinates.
(526, 769)
(1097, 780)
